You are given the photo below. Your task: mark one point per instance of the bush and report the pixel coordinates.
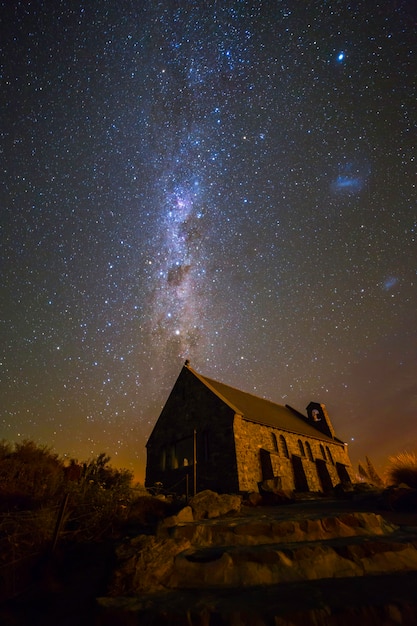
(98, 498)
(147, 510)
(30, 475)
(38, 489)
(403, 469)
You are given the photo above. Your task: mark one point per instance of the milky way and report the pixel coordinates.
(233, 183)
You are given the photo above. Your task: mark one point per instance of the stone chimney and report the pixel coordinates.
(319, 418)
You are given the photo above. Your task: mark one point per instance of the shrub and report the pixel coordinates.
(98, 499)
(146, 509)
(403, 469)
(30, 475)
(40, 493)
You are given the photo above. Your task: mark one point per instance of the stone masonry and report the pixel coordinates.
(251, 437)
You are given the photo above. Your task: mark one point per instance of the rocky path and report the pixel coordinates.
(311, 563)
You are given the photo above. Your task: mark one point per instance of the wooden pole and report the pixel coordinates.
(195, 462)
(59, 521)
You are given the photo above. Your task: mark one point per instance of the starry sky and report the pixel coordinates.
(231, 182)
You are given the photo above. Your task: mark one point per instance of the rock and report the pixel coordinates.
(273, 495)
(343, 490)
(363, 491)
(401, 499)
(147, 510)
(182, 517)
(208, 504)
(333, 602)
(262, 560)
(145, 564)
(276, 498)
(253, 499)
(272, 484)
(185, 515)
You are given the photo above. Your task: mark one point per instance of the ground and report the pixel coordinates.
(66, 587)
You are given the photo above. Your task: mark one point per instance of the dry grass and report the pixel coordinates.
(402, 469)
(34, 484)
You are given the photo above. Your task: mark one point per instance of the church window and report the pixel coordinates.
(274, 442)
(284, 446)
(329, 455)
(301, 448)
(309, 452)
(316, 415)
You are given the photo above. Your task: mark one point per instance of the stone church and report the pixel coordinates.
(212, 436)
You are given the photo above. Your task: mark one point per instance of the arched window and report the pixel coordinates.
(301, 447)
(316, 415)
(309, 452)
(284, 446)
(329, 455)
(274, 442)
(323, 454)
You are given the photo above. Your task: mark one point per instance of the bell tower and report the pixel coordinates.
(319, 418)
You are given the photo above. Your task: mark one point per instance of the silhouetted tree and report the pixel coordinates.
(362, 472)
(372, 473)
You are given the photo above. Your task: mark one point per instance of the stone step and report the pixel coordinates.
(271, 564)
(269, 530)
(384, 600)
(243, 552)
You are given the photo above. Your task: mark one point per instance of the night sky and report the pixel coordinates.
(230, 182)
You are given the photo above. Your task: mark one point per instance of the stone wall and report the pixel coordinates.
(192, 406)
(283, 448)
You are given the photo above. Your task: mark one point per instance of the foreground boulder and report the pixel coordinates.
(145, 564)
(287, 566)
(208, 504)
(236, 552)
(400, 498)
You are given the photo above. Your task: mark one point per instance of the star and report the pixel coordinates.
(223, 182)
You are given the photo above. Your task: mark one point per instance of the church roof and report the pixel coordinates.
(263, 411)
